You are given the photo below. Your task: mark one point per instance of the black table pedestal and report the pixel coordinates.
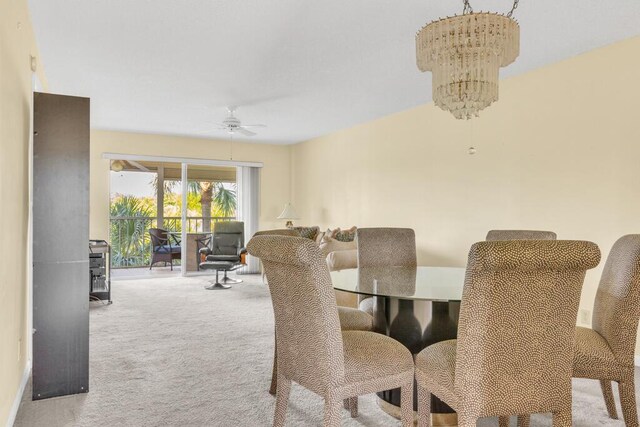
(416, 324)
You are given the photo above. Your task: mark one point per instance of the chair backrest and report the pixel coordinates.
(158, 237)
(279, 232)
(517, 325)
(308, 337)
(203, 241)
(386, 247)
(494, 235)
(308, 232)
(228, 237)
(617, 306)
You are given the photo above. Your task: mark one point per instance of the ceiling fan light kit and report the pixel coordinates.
(233, 125)
(465, 53)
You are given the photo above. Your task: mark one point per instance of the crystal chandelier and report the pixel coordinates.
(465, 53)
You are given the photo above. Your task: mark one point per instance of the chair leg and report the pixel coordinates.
(628, 401)
(227, 279)
(562, 419)
(524, 420)
(353, 406)
(274, 372)
(406, 404)
(171, 263)
(282, 399)
(331, 413)
(424, 407)
(607, 393)
(503, 421)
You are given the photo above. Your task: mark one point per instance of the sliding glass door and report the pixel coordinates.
(211, 197)
(184, 201)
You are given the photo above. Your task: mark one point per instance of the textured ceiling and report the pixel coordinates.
(305, 68)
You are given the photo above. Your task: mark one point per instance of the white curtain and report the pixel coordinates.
(248, 184)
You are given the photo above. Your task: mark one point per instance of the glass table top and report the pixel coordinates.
(421, 283)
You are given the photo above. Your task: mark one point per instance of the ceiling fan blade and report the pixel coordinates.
(254, 126)
(245, 132)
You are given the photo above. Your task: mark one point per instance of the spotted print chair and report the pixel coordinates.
(494, 235)
(351, 319)
(312, 350)
(606, 352)
(384, 247)
(514, 349)
(277, 232)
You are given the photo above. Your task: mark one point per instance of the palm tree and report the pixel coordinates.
(225, 200)
(213, 194)
(205, 189)
(129, 238)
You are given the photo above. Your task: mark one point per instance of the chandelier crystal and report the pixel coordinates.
(465, 53)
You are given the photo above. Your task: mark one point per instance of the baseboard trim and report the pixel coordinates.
(16, 402)
(637, 360)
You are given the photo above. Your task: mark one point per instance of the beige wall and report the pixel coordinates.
(17, 44)
(275, 174)
(559, 151)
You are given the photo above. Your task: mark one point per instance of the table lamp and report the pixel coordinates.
(288, 213)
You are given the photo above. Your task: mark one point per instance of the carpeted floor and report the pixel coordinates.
(169, 353)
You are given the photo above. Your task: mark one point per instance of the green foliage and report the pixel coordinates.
(223, 196)
(129, 235)
(131, 217)
(224, 201)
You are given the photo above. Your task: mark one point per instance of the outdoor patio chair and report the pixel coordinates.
(165, 247)
(202, 242)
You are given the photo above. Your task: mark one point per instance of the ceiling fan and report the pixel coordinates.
(233, 125)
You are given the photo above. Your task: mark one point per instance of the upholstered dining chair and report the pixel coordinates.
(312, 350)
(606, 352)
(494, 235)
(514, 350)
(351, 319)
(380, 247)
(277, 232)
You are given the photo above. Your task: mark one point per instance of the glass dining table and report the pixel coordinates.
(416, 306)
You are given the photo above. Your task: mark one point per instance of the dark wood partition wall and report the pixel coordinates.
(60, 245)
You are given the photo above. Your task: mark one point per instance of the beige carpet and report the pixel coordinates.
(169, 353)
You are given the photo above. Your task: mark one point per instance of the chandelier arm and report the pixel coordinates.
(515, 6)
(468, 9)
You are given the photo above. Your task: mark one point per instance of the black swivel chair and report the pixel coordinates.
(225, 253)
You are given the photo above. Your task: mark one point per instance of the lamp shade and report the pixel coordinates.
(117, 165)
(288, 212)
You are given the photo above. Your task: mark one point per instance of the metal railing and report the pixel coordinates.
(130, 240)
